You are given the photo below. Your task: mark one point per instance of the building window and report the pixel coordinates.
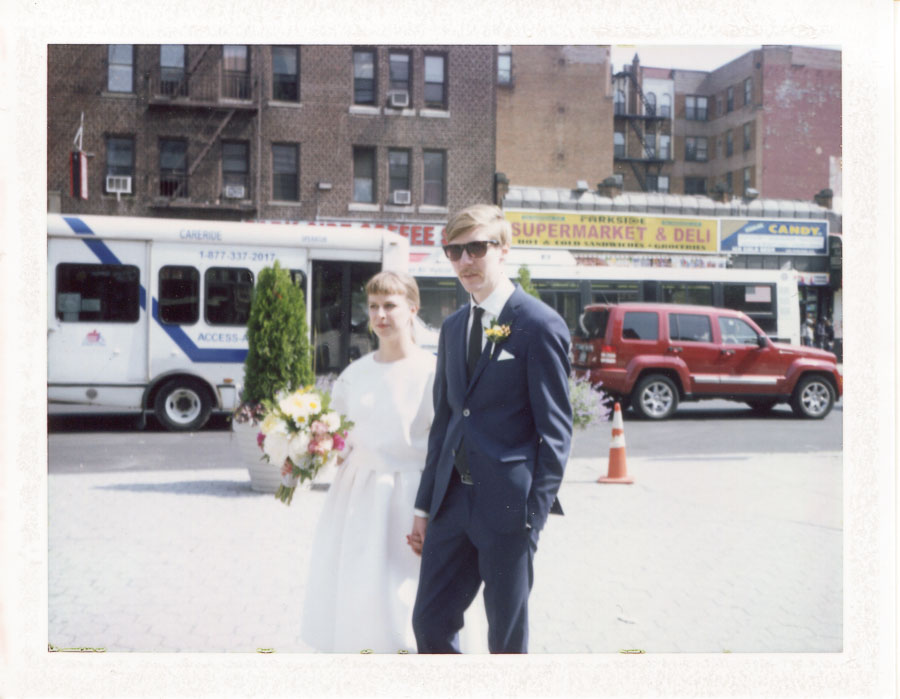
(619, 102)
(119, 164)
(730, 97)
(120, 71)
(619, 144)
(729, 184)
(435, 82)
(747, 182)
(285, 178)
(285, 74)
(748, 91)
(171, 70)
(650, 104)
(435, 178)
(747, 136)
(695, 108)
(729, 144)
(363, 77)
(665, 106)
(97, 293)
(398, 172)
(664, 142)
(364, 175)
(398, 70)
(719, 106)
(695, 148)
(236, 72)
(657, 183)
(228, 294)
(695, 185)
(179, 295)
(235, 170)
(504, 66)
(650, 146)
(173, 179)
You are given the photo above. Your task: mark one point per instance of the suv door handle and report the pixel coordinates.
(727, 352)
(676, 350)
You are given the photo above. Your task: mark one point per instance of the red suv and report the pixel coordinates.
(654, 355)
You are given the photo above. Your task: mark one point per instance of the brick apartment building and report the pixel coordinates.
(768, 121)
(379, 134)
(554, 115)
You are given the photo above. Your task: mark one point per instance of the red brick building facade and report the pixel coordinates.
(376, 133)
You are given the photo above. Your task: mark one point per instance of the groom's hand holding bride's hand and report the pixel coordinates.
(417, 538)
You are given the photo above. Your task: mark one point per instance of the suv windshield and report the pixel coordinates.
(592, 324)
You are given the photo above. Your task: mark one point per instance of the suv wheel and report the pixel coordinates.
(813, 398)
(655, 397)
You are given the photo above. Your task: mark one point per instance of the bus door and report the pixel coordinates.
(97, 314)
(340, 322)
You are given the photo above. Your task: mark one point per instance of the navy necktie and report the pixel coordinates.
(474, 341)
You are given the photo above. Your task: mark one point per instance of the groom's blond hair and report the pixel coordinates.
(476, 216)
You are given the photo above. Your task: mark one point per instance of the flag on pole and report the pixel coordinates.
(78, 175)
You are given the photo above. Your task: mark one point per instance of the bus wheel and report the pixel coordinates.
(182, 404)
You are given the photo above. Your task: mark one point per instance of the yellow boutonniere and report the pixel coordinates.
(497, 333)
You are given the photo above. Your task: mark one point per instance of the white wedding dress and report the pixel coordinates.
(363, 574)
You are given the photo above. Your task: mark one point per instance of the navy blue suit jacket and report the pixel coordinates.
(514, 413)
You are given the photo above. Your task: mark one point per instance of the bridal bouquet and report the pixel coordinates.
(299, 429)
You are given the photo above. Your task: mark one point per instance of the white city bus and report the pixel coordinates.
(769, 297)
(150, 314)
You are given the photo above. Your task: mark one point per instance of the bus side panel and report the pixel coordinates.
(200, 302)
(97, 313)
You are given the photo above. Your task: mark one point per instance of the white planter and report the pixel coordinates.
(264, 477)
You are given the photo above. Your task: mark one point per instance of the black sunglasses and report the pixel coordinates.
(477, 248)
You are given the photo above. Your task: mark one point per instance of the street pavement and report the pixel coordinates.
(736, 553)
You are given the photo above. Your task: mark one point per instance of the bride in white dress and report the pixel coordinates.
(363, 573)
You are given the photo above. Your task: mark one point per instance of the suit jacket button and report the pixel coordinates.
(466, 412)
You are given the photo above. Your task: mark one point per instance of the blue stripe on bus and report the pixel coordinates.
(177, 335)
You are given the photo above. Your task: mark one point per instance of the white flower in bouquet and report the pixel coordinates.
(272, 423)
(332, 421)
(298, 446)
(300, 405)
(276, 446)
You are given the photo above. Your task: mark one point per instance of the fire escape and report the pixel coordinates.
(203, 97)
(644, 119)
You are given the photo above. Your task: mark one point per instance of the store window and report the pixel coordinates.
(695, 185)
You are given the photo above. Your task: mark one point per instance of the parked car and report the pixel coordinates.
(656, 355)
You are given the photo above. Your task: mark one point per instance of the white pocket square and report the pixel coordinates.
(504, 355)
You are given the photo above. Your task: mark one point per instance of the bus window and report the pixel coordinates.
(179, 295)
(228, 293)
(98, 293)
(299, 278)
(687, 292)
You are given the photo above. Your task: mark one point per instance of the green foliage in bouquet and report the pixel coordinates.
(278, 356)
(524, 279)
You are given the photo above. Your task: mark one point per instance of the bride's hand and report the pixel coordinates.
(286, 467)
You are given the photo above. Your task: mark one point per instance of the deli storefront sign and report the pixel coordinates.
(613, 231)
(774, 236)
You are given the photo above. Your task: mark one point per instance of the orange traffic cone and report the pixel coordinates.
(617, 472)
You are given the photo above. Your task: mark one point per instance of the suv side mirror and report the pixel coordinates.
(762, 341)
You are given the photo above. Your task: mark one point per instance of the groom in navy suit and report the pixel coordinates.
(497, 447)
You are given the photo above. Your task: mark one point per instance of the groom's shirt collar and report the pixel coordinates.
(494, 303)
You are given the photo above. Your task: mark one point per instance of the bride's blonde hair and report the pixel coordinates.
(386, 283)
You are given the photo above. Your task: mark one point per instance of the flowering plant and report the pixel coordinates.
(300, 434)
(589, 404)
(497, 333)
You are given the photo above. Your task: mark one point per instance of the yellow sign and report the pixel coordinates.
(613, 231)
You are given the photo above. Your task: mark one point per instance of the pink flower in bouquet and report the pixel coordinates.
(321, 446)
(260, 438)
(338, 442)
(319, 428)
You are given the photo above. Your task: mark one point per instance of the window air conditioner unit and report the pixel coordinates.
(398, 99)
(234, 191)
(118, 184)
(402, 196)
